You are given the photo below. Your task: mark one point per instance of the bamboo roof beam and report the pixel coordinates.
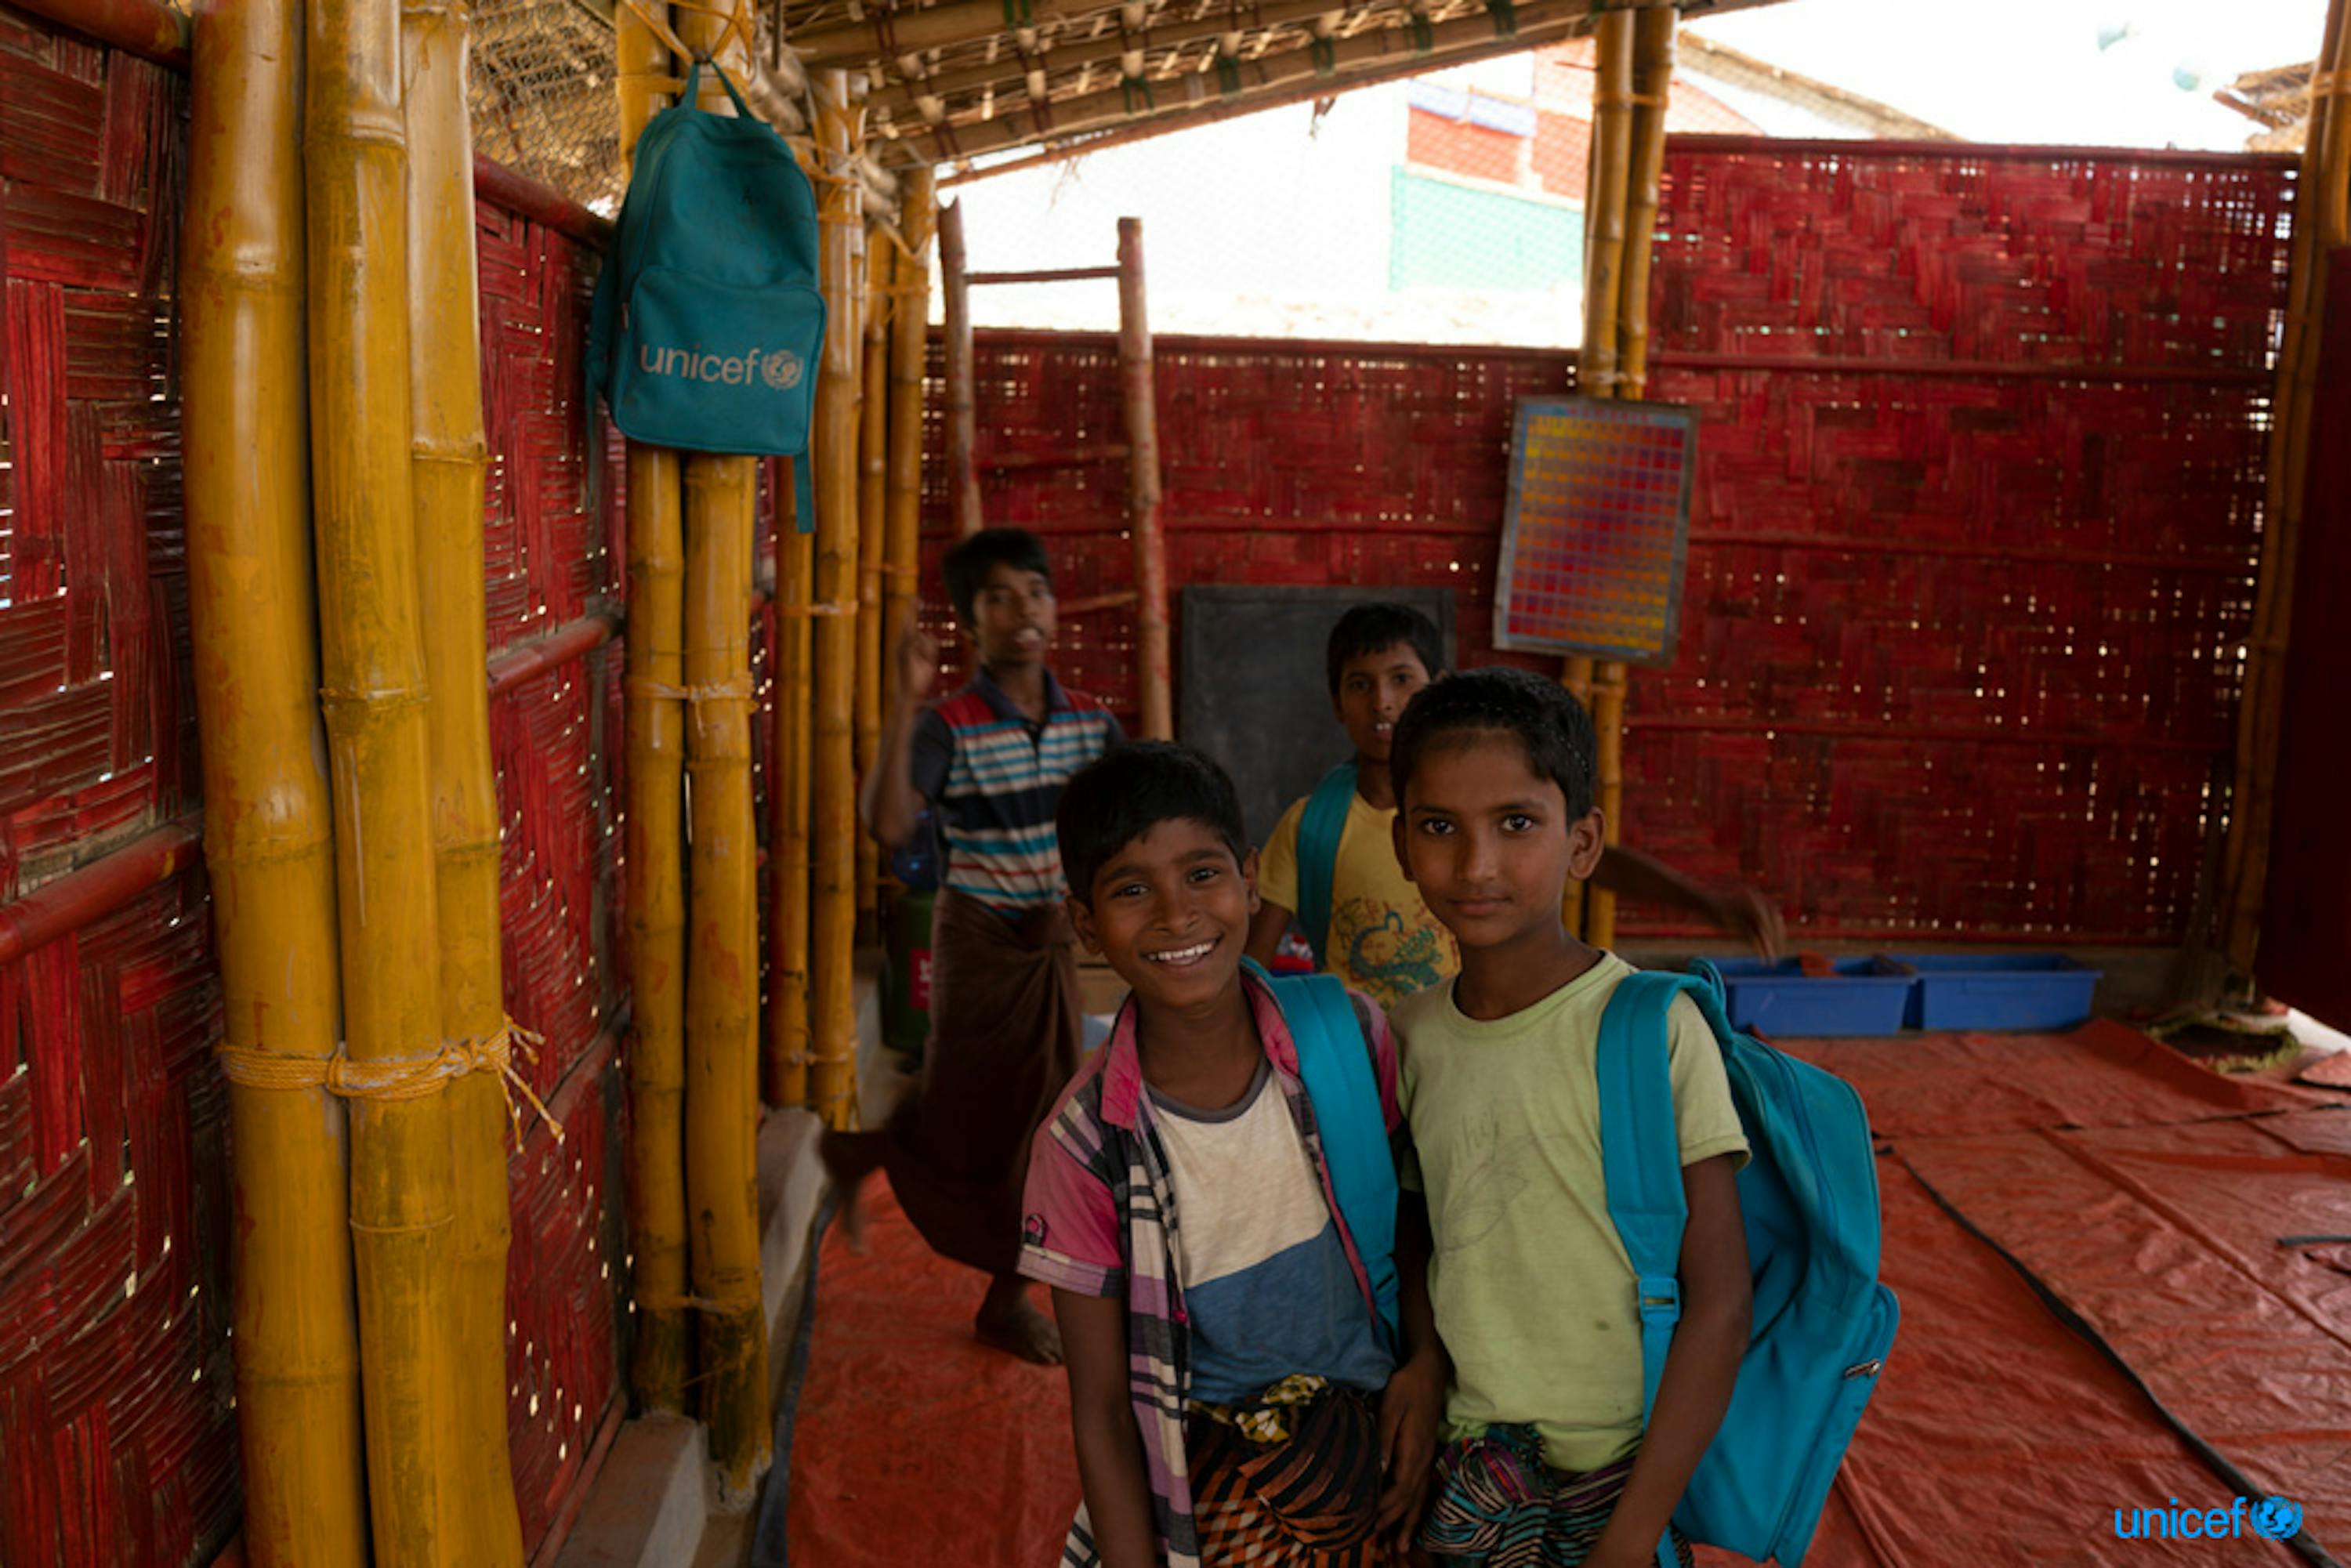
(894, 34)
(1160, 37)
(1319, 69)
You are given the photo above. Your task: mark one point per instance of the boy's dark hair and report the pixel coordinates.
(1130, 790)
(1373, 628)
(1541, 713)
(968, 563)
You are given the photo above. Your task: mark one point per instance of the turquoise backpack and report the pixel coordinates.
(1320, 828)
(708, 323)
(1334, 1063)
(1823, 1323)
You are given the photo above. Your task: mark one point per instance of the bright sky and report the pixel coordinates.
(2033, 71)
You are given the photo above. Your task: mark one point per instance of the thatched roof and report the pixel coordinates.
(957, 80)
(1703, 57)
(2277, 100)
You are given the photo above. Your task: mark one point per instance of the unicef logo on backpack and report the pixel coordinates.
(781, 370)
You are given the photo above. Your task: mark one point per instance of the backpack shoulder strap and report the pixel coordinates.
(1640, 1153)
(1320, 828)
(1334, 1063)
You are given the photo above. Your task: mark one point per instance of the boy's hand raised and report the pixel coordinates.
(1409, 1409)
(918, 664)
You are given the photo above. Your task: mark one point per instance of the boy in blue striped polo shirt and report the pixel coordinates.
(989, 762)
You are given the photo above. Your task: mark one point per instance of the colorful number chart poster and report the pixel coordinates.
(1597, 529)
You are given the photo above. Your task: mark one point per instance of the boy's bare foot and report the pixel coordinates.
(848, 1163)
(1010, 1322)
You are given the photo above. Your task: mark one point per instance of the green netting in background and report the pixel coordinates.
(1447, 235)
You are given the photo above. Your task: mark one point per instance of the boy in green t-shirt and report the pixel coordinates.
(1380, 937)
(1535, 1300)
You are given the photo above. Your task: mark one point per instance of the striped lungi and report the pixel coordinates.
(1497, 1505)
(1293, 1479)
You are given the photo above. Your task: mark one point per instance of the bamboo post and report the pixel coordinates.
(1653, 78)
(655, 725)
(722, 1073)
(449, 468)
(873, 439)
(789, 803)
(641, 77)
(1577, 678)
(1138, 399)
(268, 825)
(373, 660)
(909, 371)
(963, 399)
(832, 1086)
(2321, 225)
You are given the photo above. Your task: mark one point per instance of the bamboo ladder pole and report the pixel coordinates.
(963, 399)
(909, 375)
(449, 468)
(2322, 224)
(833, 979)
(873, 499)
(722, 988)
(1651, 81)
(374, 692)
(1589, 912)
(268, 818)
(1139, 404)
(654, 727)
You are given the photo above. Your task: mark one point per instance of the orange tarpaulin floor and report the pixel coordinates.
(2168, 1207)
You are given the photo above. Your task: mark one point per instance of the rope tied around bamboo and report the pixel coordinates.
(398, 1078)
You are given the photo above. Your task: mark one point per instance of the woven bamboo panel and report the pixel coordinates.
(555, 742)
(116, 1434)
(1961, 621)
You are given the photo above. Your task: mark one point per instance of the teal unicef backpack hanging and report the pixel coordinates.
(708, 325)
(1823, 1323)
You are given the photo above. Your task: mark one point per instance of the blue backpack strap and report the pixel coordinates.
(1640, 1153)
(1334, 1063)
(1318, 831)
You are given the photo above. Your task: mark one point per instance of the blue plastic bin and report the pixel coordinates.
(1998, 992)
(1780, 1000)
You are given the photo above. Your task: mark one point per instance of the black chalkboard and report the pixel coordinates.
(1255, 696)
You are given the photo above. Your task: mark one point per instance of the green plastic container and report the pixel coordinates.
(906, 993)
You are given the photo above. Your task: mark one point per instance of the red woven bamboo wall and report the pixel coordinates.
(1972, 545)
(117, 1434)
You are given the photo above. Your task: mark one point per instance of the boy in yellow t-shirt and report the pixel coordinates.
(1535, 1299)
(1380, 937)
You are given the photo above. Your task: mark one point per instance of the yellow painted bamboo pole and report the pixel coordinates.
(374, 692)
(1604, 202)
(832, 1088)
(722, 1073)
(268, 818)
(2321, 224)
(1652, 78)
(1590, 912)
(963, 401)
(654, 725)
(642, 75)
(873, 499)
(656, 916)
(722, 1040)
(909, 373)
(449, 467)
(788, 846)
